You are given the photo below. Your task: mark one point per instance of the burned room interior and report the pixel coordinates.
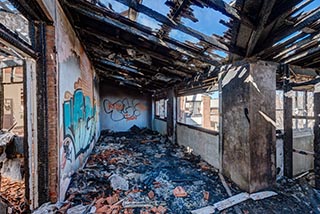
(168, 106)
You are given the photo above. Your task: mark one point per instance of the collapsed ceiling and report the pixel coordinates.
(124, 50)
(132, 52)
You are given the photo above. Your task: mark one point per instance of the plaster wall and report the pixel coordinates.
(204, 144)
(78, 103)
(302, 140)
(122, 108)
(160, 126)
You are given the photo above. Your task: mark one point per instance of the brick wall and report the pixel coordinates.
(52, 113)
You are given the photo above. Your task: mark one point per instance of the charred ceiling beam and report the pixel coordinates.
(133, 14)
(263, 18)
(156, 57)
(304, 56)
(117, 66)
(179, 70)
(165, 20)
(31, 10)
(302, 23)
(222, 7)
(296, 47)
(285, 9)
(92, 14)
(15, 41)
(148, 75)
(270, 52)
(174, 14)
(151, 85)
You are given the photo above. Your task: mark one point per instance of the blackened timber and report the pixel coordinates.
(42, 115)
(163, 19)
(15, 41)
(287, 120)
(170, 119)
(302, 56)
(307, 21)
(223, 7)
(271, 51)
(169, 44)
(120, 67)
(263, 17)
(177, 13)
(282, 10)
(307, 83)
(26, 158)
(31, 10)
(316, 142)
(297, 45)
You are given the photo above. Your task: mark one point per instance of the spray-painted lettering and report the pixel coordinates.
(78, 124)
(125, 109)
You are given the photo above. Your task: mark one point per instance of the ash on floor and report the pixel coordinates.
(143, 172)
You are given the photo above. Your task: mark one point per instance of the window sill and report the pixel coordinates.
(208, 131)
(159, 118)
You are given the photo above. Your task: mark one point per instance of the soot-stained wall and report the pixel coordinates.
(78, 103)
(122, 108)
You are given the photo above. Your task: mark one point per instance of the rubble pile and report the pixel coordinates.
(12, 193)
(142, 172)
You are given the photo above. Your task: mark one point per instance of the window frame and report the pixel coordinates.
(199, 128)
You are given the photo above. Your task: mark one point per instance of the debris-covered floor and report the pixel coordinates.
(143, 172)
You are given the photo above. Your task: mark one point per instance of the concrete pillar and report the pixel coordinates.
(206, 111)
(316, 131)
(170, 113)
(287, 125)
(249, 132)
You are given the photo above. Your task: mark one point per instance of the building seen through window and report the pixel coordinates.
(200, 110)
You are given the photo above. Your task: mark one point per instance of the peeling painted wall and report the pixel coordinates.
(123, 108)
(204, 144)
(78, 103)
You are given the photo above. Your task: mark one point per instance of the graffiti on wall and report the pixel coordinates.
(78, 124)
(124, 109)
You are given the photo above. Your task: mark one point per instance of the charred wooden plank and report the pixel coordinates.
(263, 18)
(222, 7)
(163, 19)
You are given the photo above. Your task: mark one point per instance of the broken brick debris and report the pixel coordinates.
(125, 176)
(12, 193)
(151, 195)
(179, 192)
(206, 195)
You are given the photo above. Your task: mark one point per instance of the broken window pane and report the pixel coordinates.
(279, 109)
(161, 108)
(12, 19)
(200, 110)
(310, 104)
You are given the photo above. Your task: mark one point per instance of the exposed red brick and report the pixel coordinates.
(206, 195)
(52, 113)
(179, 192)
(151, 194)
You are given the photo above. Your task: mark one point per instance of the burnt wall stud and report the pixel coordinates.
(42, 116)
(316, 130)
(287, 119)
